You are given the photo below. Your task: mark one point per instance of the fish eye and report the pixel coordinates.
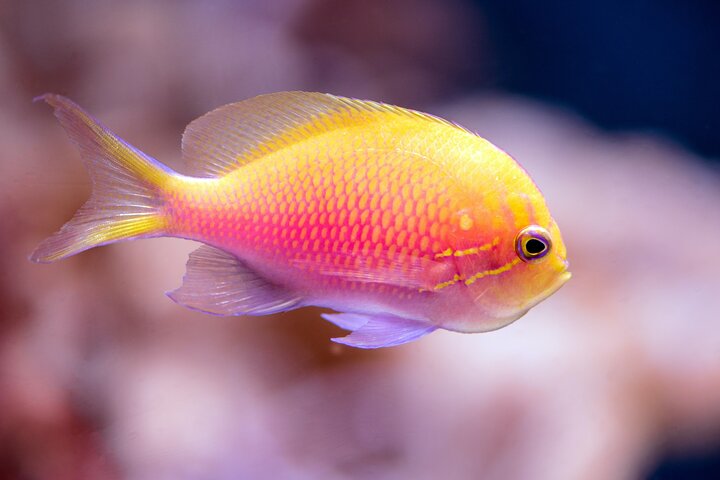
(532, 243)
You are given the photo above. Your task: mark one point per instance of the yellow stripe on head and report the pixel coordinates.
(495, 271)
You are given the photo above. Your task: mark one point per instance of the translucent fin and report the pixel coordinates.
(124, 202)
(412, 272)
(218, 282)
(239, 133)
(376, 331)
(346, 321)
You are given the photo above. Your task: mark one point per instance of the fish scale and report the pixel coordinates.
(342, 200)
(400, 221)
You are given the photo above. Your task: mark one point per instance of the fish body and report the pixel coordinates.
(402, 222)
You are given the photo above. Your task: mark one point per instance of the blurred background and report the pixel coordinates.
(611, 106)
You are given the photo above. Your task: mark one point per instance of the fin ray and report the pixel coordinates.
(377, 331)
(347, 321)
(239, 133)
(218, 282)
(413, 272)
(124, 202)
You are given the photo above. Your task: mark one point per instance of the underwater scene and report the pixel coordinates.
(383, 239)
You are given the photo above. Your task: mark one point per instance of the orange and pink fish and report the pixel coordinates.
(401, 222)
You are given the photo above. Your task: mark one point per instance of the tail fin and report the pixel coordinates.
(125, 202)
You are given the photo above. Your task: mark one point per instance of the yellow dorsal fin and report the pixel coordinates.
(239, 133)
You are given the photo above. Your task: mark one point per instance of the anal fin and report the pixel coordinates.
(218, 282)
(376, 331)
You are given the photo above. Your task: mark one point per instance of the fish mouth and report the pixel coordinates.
(563, 277)
(523, 308)
(554, 287)
(504, 318)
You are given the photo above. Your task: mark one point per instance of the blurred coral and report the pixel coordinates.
(103, 377)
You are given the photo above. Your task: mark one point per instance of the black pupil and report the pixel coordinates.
(534, 246)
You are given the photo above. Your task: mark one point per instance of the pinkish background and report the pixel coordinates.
(103, 377)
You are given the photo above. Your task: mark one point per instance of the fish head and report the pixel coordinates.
(508, 249)
(543, 267)
(526, 264)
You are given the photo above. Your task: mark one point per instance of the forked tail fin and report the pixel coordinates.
(126, 200)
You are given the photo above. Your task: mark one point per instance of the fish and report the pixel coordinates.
(400, 222)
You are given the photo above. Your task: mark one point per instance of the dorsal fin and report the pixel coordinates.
(238, 133)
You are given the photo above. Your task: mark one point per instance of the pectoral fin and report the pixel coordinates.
(376, 331)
